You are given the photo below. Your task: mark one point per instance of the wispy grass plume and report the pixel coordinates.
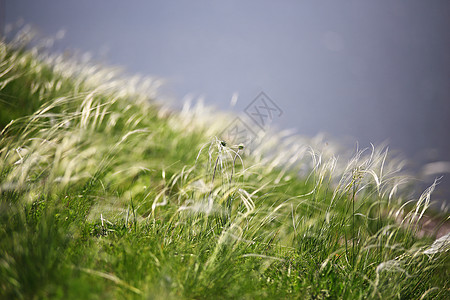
(104, 192)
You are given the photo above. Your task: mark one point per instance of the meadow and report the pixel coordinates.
(107, 193)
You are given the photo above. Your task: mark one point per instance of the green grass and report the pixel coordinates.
(106, 194)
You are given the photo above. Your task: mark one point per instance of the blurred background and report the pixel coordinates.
(366, 71)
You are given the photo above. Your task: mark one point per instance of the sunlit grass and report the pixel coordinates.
(107, 194)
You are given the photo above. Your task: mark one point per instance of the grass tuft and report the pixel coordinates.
(104, 192)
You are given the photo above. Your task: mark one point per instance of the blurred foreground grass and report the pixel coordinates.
(106, 194)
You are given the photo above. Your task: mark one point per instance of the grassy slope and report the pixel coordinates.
(103, 195)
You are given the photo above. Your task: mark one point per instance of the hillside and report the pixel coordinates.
(107, 194)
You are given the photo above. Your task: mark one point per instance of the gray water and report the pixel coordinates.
(367, 71)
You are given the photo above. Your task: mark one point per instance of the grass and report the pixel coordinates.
(105, 193)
